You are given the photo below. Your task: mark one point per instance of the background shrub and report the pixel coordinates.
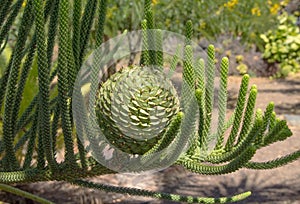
(242, 19)
(283, 45)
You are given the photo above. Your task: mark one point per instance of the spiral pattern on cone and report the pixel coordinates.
(135, 106)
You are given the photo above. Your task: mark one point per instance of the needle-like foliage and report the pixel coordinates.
(47, 25)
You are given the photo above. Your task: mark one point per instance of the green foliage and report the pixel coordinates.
(245, 20)
(160, 195)
(241, 67)
(123, 15)
(24, 194)
(283, 45)
(31, 124)
(1, 127)
(4, 57)
(242, 19)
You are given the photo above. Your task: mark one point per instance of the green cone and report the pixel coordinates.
(134, 108)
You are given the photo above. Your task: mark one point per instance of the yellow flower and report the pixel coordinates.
(231, 4)
(219, 11)
(24, 4)
(110, 11)
(270, 2)
(274, 9)
(255, 11)
(284, 3)
(202, 25)
(154, 2)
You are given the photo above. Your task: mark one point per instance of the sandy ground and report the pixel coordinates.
(281, 185)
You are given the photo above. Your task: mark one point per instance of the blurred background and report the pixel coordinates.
(260, 37)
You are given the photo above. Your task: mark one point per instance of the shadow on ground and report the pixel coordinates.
(262, 192)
